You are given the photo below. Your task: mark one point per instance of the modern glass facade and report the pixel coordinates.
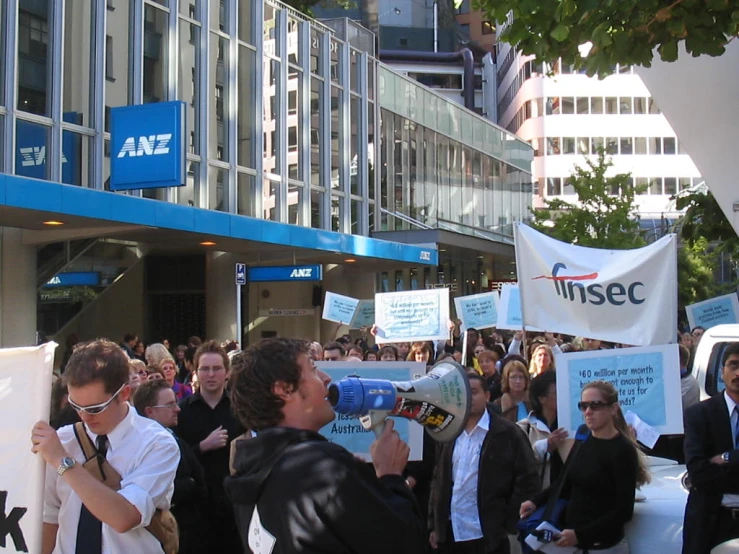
(283, 118)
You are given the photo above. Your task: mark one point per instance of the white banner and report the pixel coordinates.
(25, 393)
(414, 315)
(623, 296)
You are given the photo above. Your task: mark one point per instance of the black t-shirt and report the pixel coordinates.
(600, 487)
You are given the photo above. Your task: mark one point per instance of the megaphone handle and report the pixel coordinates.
(375, 421)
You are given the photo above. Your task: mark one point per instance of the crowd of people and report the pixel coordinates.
(243, 468)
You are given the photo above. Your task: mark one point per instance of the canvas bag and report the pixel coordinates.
(163, 524)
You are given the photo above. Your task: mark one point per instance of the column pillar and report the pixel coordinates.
(220, 297)
(17, 290)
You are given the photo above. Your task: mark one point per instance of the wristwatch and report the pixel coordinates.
(67, 463)
(725, 457)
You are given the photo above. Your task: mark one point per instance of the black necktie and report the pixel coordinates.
(89, 528)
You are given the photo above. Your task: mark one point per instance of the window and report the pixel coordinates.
(596, 144)
(109, 58)
(627, 145)
(669, 145)
(670, 185)
(596, 105)
(219, 102)
(402, 41)
(582, 105)
(568, 145)
(553, 146)
(611, 145)
(583, 145)
(554, 186)
(640, 105)
(33, 35)
(487, 28)
(640, 145)
(684, 183)
(553, 107)
(655, 145)
(611, 105)
(568, 105)
(464, 7)
(653, 108)
(655, 186)
(642, 185)
(465, 29)
(567, 187)
(625, 106)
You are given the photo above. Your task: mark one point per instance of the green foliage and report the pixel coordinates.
(621, 31)
(600, 218)
(696, 264)
(704, 219)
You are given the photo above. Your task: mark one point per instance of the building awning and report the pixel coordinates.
(27, 203)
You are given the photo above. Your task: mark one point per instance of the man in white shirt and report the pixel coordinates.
(81, 514)
(479, 481)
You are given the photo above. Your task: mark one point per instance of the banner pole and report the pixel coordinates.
(516, 234)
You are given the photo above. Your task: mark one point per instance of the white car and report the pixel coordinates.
(657, 525)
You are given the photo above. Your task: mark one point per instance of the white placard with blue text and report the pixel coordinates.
(716, 311)
(647, 380)
(414, 315)
(364, 315)
(348, 431)
(478, 311)
(509, 309)
(339, 308)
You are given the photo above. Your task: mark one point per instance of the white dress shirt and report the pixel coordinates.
(731, 500)
(146, 456)
(465, 466)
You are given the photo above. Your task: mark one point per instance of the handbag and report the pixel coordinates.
(553, 511)
(163, 525)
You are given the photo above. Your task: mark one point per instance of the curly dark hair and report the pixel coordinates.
(254, 374)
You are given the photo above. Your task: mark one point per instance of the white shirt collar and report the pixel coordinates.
(116, 436)
(730, 404)
(484, 422)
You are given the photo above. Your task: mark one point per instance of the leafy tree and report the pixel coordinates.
(696, 264)
(704, 219)
(602, 217)
(620, 31)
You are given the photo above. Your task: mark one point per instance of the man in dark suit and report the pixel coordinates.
(480, 481)
(712, 457)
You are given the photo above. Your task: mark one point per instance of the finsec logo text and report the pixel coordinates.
(153, 145)
(570, 288)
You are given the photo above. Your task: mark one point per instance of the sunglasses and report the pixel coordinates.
(97, 408)
(595, 406)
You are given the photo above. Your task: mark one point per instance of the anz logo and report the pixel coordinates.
(153, 145)
(425, 256)
(35, 155)
(301, 273)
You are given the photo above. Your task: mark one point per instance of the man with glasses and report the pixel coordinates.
(712, 457)
(81, 513)
(157, 401)
(208, 425)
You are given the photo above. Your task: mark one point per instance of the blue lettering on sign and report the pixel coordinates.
(32, 143)
(570, 288)
(148, 146)
(286, 273)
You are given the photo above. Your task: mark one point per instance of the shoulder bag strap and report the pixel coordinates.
(581, 436)
(84, 441)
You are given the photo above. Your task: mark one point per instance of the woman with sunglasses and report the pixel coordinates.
(602, 478)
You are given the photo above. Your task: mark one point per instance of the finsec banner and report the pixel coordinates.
(25, 389)
(623, 296)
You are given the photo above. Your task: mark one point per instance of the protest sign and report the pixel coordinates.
(647, 380)
(348, 431)
(339, 308)
(364, 315)
(509, 309)
(624, 296)
(478, 311)
(25, 389)
(716, 311)
(415, 315)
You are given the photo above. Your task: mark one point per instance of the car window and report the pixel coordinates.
(714, 379)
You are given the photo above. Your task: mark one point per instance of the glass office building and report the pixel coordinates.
(282, 116)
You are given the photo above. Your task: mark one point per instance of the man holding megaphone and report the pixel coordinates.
(292, 490)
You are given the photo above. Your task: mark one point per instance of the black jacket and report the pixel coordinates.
(707, 433)
(190, 490)
(314, 496)
(507, 476)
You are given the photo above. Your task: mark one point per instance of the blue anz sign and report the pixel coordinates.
(147, 146)
(74, 279)
(286, 273)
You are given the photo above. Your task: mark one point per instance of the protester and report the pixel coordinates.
(479, 482)
(542, 359)
(307, 494)
(355, 352)
(134, 379)
(208, 425)
(370, 356)
(179, 359)
(420, 352)
(403, 349)
(316, 351)
(689, 387)
(82, 514)
(169, 371)
(389, 353)
(488, 361)
(156, 353)
(547, 441)
(602, 478)
(128, 344)
(479, 349)
(697, 333)
(514, 405)
(712, 457)
(139, 351)
(333, 352)
(156, 400)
